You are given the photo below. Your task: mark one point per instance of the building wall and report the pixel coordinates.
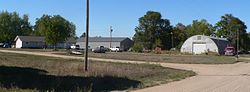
(64, 45)
(187, 47)
(32, 44)
(126, 44)
(221, 44)
(18, 43)
(98, 44)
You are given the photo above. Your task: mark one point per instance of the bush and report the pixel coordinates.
(137, 47)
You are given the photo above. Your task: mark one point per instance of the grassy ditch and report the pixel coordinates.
(21, 72)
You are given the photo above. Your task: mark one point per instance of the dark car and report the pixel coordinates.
(100, 49)
(1, 45)
(5, 45)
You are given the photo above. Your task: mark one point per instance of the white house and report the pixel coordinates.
(199, 44)
(39, 42)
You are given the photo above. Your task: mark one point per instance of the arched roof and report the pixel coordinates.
(213, 44)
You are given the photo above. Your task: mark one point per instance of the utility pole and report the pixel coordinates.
(172, 37)
(87, 36)
(111, 30)
(237, 57)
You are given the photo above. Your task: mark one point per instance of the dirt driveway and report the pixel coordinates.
(210, 78)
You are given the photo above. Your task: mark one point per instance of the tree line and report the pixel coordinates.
(54, 28)
(154, 31)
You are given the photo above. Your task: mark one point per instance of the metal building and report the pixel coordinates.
(200, 44)
(123, 42)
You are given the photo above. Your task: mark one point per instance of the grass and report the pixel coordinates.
(33, 50)
(15, 90)
(167, 58)
(19, 72)
(151, 57)
(245, 58)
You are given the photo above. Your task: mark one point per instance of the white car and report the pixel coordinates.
(77, 52)
(115, 49)
(75, 47)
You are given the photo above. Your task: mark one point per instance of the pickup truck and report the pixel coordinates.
(229, 51)
(100, 49)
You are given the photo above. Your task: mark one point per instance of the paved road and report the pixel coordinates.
(210, 78)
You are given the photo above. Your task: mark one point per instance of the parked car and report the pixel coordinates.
(75, 47)
(100, 49)
(5, 45)
(1, 45)
(229, 51)
(115, 49)
(77, 52)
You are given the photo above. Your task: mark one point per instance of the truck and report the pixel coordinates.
(100, 49)
(229, 51)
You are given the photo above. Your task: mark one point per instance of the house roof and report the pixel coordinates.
(30, 38)
(39, 39)
(211, 37)
(216, 38)
(71, 39)
(102, 39)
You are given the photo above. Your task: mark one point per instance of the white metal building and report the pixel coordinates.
(199, 44)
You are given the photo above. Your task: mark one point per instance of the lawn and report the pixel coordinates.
(19, 72)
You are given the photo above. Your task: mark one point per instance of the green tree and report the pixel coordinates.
(26, 27)
(12, 25)
(55, 29)
(180, 35)
(152, 29)
(201, 27)
(228, 27)
(137, 47)
(42, 25)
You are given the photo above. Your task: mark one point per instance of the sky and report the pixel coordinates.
(123, 15)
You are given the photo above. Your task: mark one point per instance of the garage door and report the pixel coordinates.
(199, 48)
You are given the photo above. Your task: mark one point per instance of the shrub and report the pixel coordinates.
(137, 47)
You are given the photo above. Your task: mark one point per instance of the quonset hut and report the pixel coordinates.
(200, 44)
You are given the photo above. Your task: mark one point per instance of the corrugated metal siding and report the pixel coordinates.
(213, 44)
(98, 44)
(102, 39)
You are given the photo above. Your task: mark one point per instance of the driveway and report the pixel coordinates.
(210, 78)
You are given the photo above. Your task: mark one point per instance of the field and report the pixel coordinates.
(167, 58)
(19, 72)
(151, 57)
(174, 57)
(185, 59)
